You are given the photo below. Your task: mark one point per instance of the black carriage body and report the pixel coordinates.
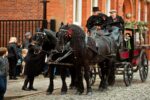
(132, 59)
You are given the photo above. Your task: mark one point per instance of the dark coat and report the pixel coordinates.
(95, 20)
(91, 22)
(118, 22)
(34, 62)
(26, 43)
(12, 51)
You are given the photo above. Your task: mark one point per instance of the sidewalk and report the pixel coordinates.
(14, 87)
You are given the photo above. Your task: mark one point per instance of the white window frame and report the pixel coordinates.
(94, 3)
(139, 10)
(146, 9)
(108, 7)
(79, 12)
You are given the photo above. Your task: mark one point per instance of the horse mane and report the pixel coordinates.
(77, 41)
(77, 31)
(50, 41)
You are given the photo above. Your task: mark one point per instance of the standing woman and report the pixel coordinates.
(4, 65)
(34, 63)
(12, 57)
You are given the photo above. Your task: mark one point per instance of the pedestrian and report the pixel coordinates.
(4, 66)
(27, 41)
(20, 59)
(23, 55)
(12, 57)
(34, 64)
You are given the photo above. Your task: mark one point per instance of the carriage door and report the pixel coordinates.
(77, 12)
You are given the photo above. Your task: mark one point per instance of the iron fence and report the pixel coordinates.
(17, 28)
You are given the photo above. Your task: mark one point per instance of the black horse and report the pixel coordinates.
(47, 43)
(35, 59)
(85, 55)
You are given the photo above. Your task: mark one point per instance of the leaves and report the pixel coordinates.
(141, 25)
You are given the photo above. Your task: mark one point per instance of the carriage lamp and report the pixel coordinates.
(128, 15)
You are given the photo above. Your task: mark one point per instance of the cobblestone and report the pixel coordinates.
(137, 91)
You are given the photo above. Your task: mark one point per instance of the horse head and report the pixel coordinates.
(45, 41)
(64, 36)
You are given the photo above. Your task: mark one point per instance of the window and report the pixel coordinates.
(145, 19)
(108, 6)
(139, 10)
(77, 12)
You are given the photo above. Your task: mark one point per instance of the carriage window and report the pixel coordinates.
(77, 11)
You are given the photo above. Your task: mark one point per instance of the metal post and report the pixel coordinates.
(44, 13)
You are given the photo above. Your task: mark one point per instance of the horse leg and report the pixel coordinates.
(51, 78)
(73, 83)
(63, 78)
(80, 86)
(104, 71)
(87, 78)
(111, 77)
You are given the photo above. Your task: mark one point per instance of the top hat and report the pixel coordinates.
(95, 9)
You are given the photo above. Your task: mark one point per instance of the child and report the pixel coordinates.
(4, 66)
(23, 54)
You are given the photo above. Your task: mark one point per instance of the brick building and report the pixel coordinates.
(73, 11)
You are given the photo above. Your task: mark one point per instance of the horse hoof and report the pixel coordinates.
(89, 93)
(63, 93)
(48, 93)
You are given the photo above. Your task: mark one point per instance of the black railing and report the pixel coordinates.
(17, 28)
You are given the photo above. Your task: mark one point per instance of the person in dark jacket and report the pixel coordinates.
(4, 66)
(27, 41)
(92, 19)
(12, 57)
(97, 17)
(34, 64)
(115, 20)
(117, 26)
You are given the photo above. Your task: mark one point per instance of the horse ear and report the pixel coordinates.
(67, 24)
(61, 24)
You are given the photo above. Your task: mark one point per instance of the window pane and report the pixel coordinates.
(77, 10)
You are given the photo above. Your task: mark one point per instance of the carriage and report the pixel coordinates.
(129, 59)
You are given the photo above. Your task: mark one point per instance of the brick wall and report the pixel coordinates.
(20, 9)
(61, 11)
